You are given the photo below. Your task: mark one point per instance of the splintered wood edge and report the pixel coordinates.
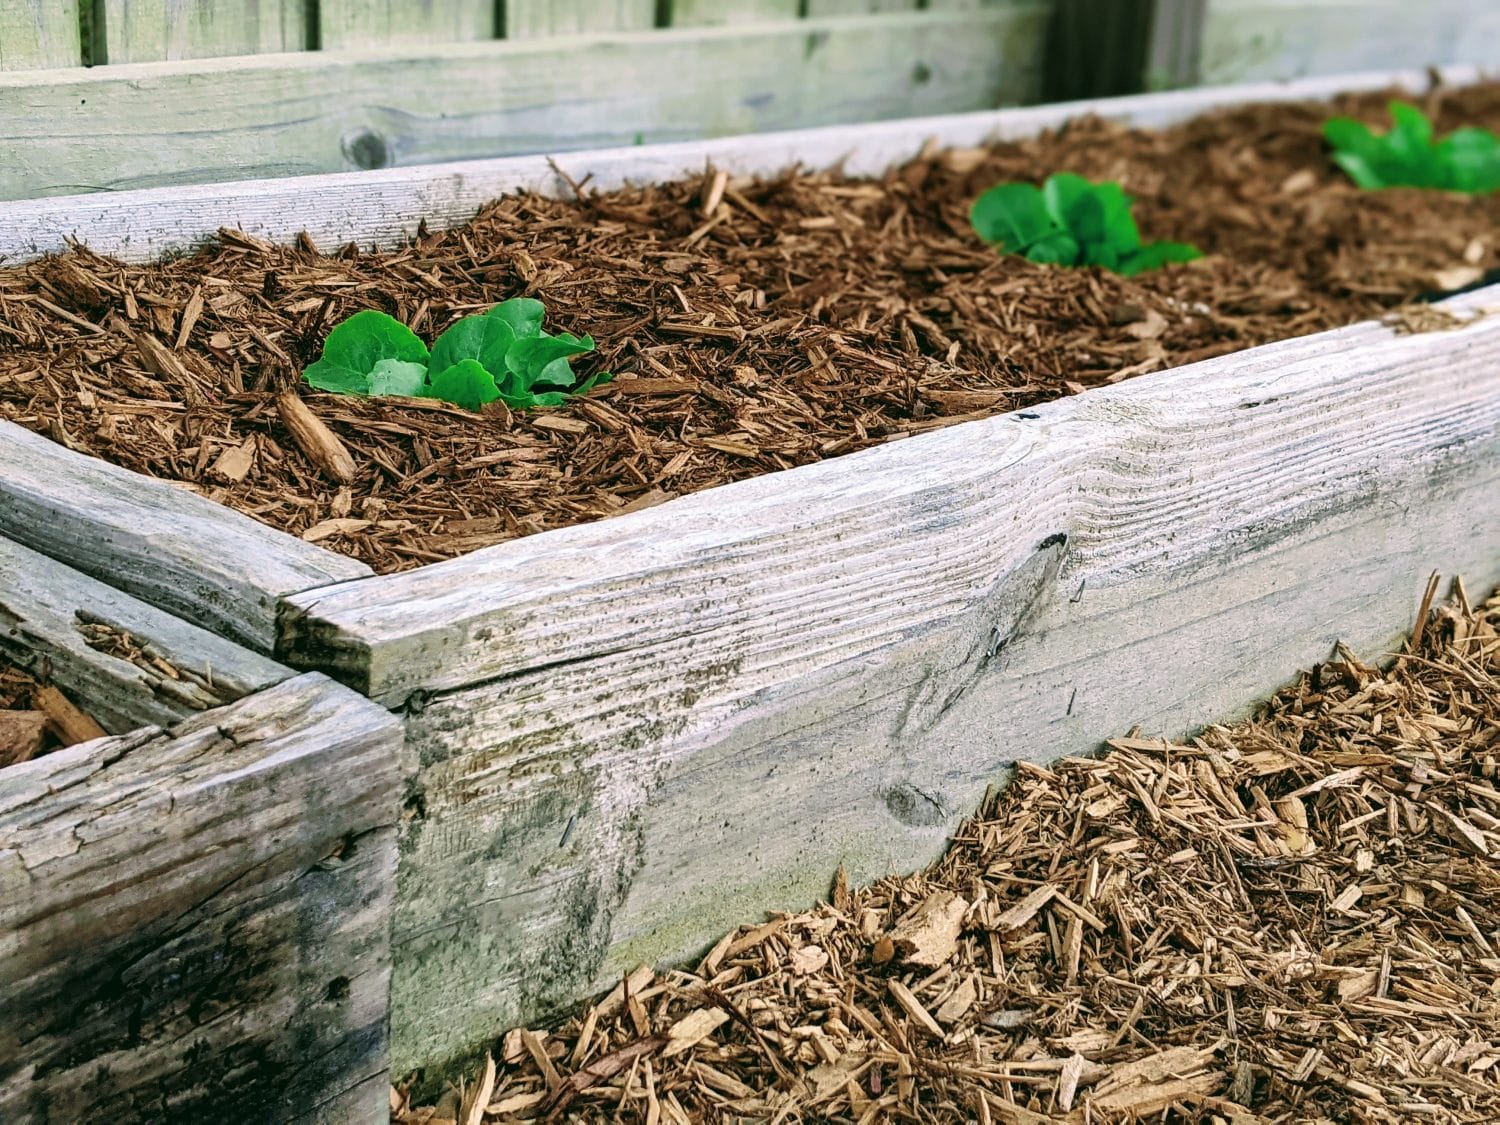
(196, 559)
(384, 207)
(122, 846)
(1263, 434)
(44, 606)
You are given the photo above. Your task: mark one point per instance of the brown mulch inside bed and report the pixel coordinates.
(1293, 919)
(806, 316)
(36, 718)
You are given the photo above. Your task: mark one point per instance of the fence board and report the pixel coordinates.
(1253, 39)
(705, 13)
(862, 7)
(39, 33)
(350, 24)
(151, 30)
(525, 19)
(66, 132)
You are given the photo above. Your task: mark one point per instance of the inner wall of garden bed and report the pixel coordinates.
(623, 737)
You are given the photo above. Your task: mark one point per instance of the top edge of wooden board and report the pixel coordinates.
(689, 566)
(383, 207)
(45, 610)
(180, 552)
(153, 124)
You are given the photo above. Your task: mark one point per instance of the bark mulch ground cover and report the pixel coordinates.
(754, 325)
(37, 718)
(1292, 919)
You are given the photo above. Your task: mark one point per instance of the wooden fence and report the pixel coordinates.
(113, 94)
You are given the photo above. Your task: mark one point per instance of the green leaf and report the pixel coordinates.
(485, 339)
(1154, 255)
(1011, 216)
(398, 377)
(357, 346)
(1360, 169)
(367, 337)
(465, 384)
(1413, 132)
(528, 359)
(523, 314)
(1058, 248)
(555, 374)
(597, 379)
(326, 375)
(1350, 136)
(551, 398)
(1469, 160)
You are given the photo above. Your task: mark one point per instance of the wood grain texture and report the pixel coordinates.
(353, 24)
(720, 13)
(182, 553)
(133, 31)
(111, 129)
(527, 19)
(43, 608)
(628, 735)
(1250, 40)
(194, 923)
(384, 207)
(39, 33)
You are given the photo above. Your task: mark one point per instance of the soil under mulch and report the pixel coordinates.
(806, 316)
(1294, 919)
(37, 718)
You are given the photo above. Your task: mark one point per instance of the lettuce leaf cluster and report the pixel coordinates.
(1069, 221)
(1466, 160)
(502, 354)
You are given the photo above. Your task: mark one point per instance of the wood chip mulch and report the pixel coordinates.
(1293, 919)
(754, 325)
(36, 718)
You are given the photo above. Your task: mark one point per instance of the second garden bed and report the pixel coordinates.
(624, 736)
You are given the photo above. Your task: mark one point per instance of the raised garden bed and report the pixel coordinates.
(624, 736)
(196, 861)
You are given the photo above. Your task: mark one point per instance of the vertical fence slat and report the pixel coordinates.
(379, 23)
(1176, 44)
(150, 30)
(39, 33)
(526, 19)
(700, 13)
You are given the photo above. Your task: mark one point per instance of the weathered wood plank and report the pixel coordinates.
(112, 128)
(719, 13)
(39, 33)
(1248, 40)
(180, 552)
(527, 19)
(194, 923)
(817, 8)
(352, 24)
(134, 31)
(48, 612)
(384, 207)
(744, 688)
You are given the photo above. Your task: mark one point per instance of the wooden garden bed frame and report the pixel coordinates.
(195, 911)
(625, 737)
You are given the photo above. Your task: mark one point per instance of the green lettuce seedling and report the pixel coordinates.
(1069, 221)
(1466, 160)
(502, 354)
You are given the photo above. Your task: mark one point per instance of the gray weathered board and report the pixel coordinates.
(626, 736)
(46, 609)
(108, 128)
(194, 922)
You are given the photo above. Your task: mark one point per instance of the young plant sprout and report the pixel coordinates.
(502, 354)
(1069, 221)
(1466, 160)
